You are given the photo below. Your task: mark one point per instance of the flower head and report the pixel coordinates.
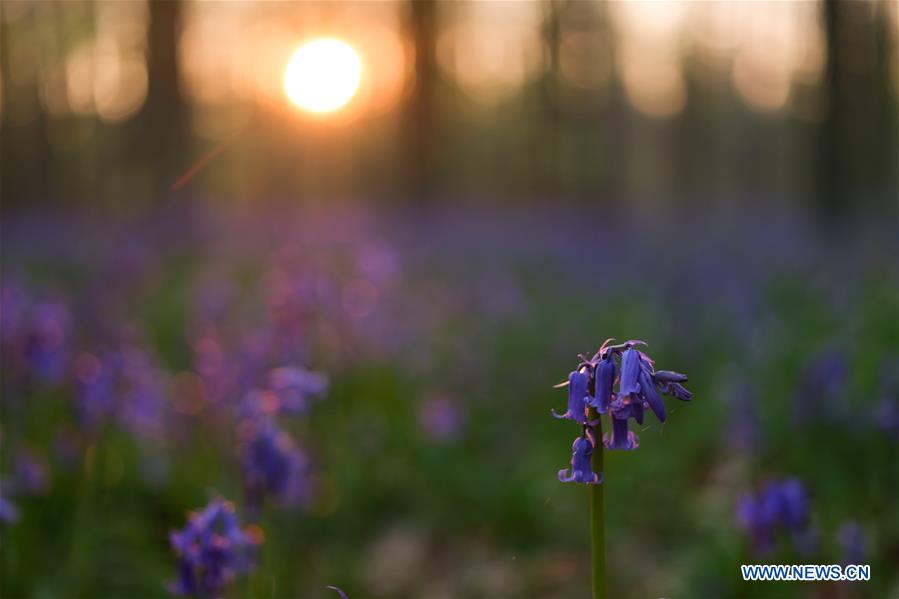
(592, 392)
(212, 549)
(581, 470)
(780, 507)
(273, 465)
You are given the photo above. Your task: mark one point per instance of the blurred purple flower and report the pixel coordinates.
(9, 513)
(35, 335)
(143, 408)
(852, 540)
(888, 416)
(440, 418)
(581, 470)
(819, 394)
(212, 549)
(887, 411)
(31, 475)
(779, 507)
(95, 388)
(272, 464)
(124, 385)
(742, 431)
(295, 386)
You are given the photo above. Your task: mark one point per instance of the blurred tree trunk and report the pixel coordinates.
(419, 127)
(858, 136)
(546, 167)
(164, 118)
(26, 158)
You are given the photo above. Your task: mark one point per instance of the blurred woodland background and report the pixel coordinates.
(349, 324)
(108, 103)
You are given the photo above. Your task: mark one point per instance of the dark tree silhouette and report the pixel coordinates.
(164, 118)
(858, 137)
(420, 121)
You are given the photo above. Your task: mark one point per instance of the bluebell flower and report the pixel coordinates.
(604, 381)
(578, 396)
(212, 549)
(625, 408)
(630, 373)
(650, 394)
(780, 508)
(581, 470)
(273, 465)
(677, 391)
(621, 438)
(639, 387)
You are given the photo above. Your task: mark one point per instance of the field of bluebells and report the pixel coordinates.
(268, 403)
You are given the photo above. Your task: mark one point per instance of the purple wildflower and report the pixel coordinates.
(124, 385)
(295, 386)
(35, 336)
(581, 470)
(31, 477)
(780, 507)
(212, 549)
(273, 465)
(621, 438)
(578, 385)
(630, 373)
(651, 394)
(639, 387)
(604, 380)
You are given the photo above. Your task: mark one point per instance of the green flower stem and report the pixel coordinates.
(598, 516)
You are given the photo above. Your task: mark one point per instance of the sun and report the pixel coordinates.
(323, 75)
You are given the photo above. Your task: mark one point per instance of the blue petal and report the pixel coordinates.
(668, 376)
(652, 396)
(679, 391)
(630, 371)
(621, 438)
(605, 378)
